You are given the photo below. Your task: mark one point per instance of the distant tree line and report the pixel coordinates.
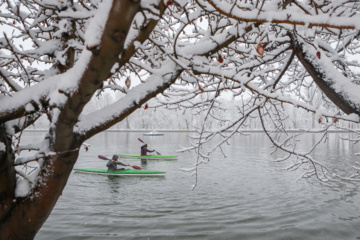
(163, 118)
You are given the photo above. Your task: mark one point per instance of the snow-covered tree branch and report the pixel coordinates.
(268, 57)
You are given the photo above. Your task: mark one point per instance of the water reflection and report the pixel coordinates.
(113, 183)
(144, 163)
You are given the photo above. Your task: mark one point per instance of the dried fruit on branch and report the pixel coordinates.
(260, 49)
(128, 82)
(220, 59)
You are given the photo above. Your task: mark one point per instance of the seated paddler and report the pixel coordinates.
(113, 163)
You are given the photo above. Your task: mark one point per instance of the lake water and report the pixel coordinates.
(243, 196)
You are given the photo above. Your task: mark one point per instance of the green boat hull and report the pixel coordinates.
(148, 157)
(127, 172)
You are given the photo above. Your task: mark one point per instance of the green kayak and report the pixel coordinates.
(127, 172)
(149, 157)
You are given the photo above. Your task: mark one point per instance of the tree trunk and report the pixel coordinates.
(26, 215)
(7, 176)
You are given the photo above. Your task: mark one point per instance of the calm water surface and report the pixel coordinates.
(243, 196)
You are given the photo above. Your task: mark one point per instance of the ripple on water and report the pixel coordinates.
(244, 196)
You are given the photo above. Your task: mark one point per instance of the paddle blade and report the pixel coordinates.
(136, 167)
(141, 140)
(158, 153)
(103, 157)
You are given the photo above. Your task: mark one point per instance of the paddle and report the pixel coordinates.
(145, 143)
(105, 158)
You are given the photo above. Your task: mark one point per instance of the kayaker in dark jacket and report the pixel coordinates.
(112, 164)
(144, 150)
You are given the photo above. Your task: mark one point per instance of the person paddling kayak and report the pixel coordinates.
(144, 150)
(112, 164)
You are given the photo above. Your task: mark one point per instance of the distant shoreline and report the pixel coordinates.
(183, 130)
